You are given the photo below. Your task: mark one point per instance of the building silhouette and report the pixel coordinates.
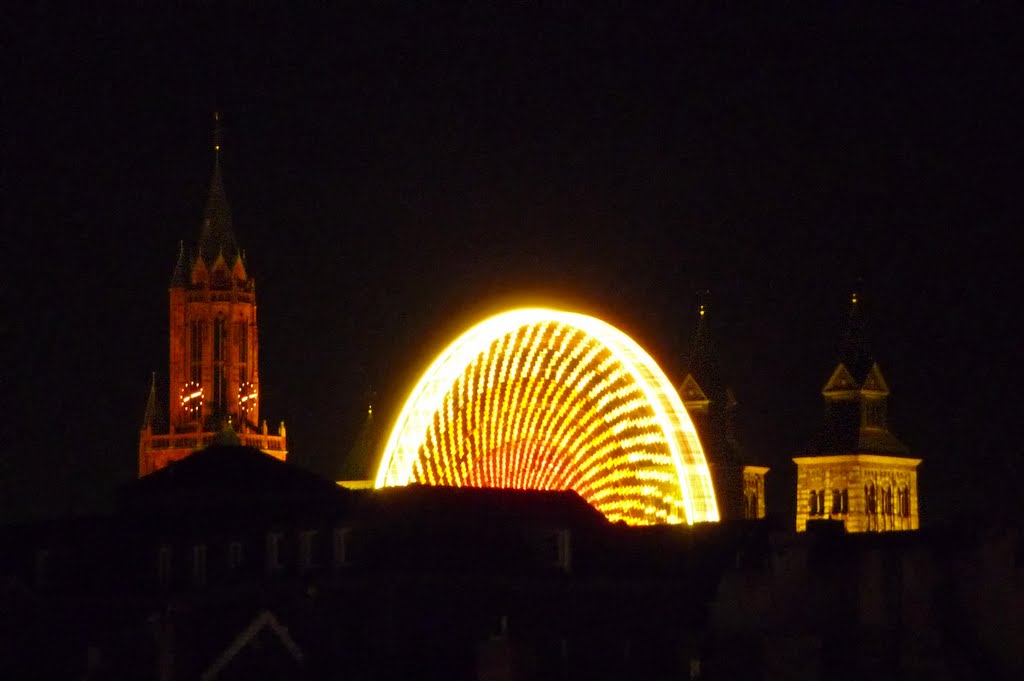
(214, 346)
(711, 405)
(855, 470)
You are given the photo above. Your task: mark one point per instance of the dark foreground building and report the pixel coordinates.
(231, 564)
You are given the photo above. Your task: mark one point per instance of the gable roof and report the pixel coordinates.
(264, 621)
(225, 473)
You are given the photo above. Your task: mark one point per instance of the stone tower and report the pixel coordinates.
(214, 346)
(739, 487)
(855, 470)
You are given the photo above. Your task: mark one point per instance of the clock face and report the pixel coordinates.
(247, 395)
(192, 399)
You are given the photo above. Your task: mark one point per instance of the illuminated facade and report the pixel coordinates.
(856, 470)
(541, 399)
(710, 403)
(214, 347)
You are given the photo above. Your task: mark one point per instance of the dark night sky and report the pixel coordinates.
(394, 176)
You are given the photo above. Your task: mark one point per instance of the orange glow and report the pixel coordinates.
(247, 395)
(542, 399)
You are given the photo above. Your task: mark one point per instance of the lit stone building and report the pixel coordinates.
(739, 487)
(856, 470)
(214, 347)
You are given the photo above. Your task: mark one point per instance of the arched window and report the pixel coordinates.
(845, 501)
(905, 503)
(813, 503)
(869, 498)
(837, 502)
(195, 355)
(821, 502)
(220, 338)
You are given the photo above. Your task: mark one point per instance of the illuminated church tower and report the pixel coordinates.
(855, 470)
(214, 347)
(739, 487)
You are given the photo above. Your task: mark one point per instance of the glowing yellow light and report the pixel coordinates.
(543, 399)
(247, 395)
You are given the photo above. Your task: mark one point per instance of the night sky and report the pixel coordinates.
(396, 175)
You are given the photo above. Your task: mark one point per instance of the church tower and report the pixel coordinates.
(214, 346)
(855, 469)
(739, 487)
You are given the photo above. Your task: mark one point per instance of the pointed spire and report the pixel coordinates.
(362, 458)
(706, 395)
(855, 351)
(180, 277)
(217, 236)
(151, 415)
(701, 362)
(218, 133)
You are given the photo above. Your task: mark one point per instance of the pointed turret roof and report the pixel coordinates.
(180, 277)
(709, 401)
(855, 351)
(362, 459)
(152, 417)
(855, 382)
(217, 236)
(701, 365)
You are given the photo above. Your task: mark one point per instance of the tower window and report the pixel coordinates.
(219, 337)
(219, 389)
(219, 376)
(874, 413)
(837, 502)
(813, 503)
(196, 352)
(243, 342)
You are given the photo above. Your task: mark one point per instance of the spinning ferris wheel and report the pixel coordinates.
(542, 399)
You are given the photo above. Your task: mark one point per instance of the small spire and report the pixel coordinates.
(218, 133)
(217, 235)
(701, 362)
(150, 415)
(179, 278)
(702, 301)
(855, 350)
